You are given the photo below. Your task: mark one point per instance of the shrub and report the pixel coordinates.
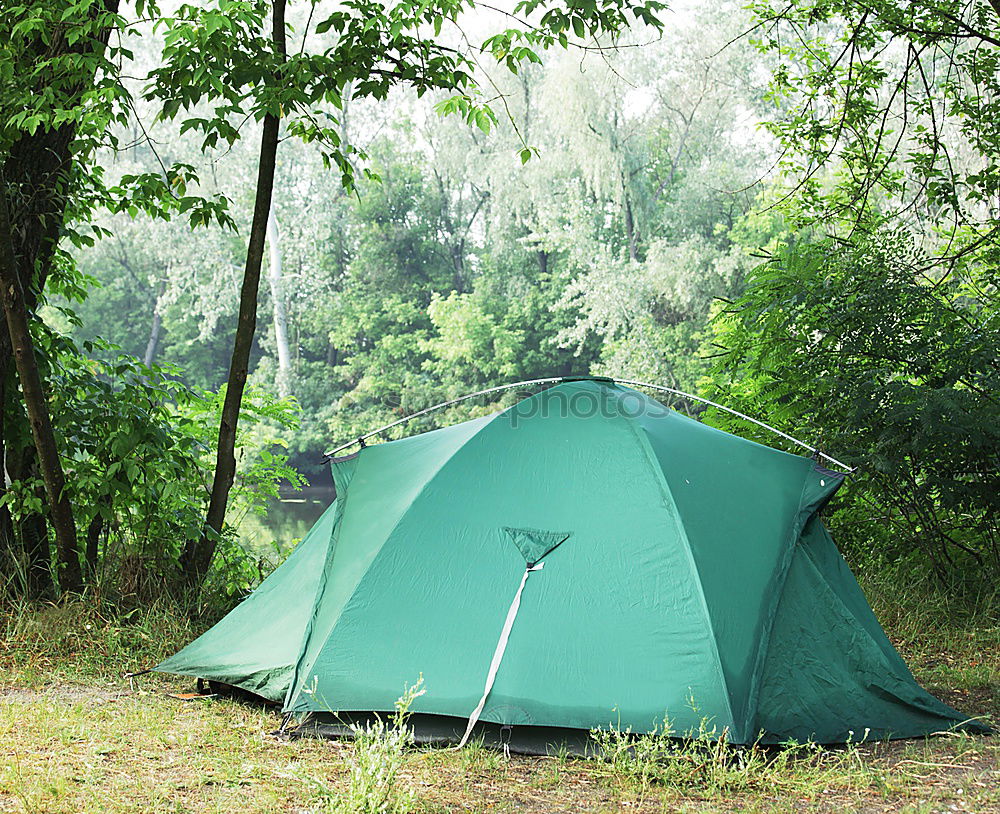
(137, 450)
(856, 347)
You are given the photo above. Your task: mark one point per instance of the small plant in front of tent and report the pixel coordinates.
(662, 756)
(377, 757)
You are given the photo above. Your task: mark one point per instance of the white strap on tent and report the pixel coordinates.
(498, 653)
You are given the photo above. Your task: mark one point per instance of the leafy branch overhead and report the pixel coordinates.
(899, 101)
(216, 55)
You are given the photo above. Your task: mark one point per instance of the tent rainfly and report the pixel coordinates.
(585, 558)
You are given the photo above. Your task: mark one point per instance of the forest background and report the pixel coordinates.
(789, 210)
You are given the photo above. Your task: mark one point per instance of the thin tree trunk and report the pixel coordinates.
(94, 531)
(154, 339)
(274, 272)
(33, 531)
(197, 556)
(633, 238)
(67, 547)
(154, 329)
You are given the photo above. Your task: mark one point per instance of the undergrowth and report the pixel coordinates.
(83, 640)
(950, 639)
(704, 761)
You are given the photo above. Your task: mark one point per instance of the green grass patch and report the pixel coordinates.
(75, 735)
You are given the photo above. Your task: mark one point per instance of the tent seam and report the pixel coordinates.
(658, 474)
(803, 514)
(388, 535)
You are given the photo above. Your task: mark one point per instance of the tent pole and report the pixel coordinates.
(441, 406)
(738, 414)
(557, 379)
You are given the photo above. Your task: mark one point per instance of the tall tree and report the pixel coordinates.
(19, 333)
(198, 554)
(54, 57)
(62, 98)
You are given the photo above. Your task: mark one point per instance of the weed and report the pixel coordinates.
(705, 762)
(377, 756)
(477, 757)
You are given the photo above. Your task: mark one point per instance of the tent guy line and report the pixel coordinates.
(557, 379)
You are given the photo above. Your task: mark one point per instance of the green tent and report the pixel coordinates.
(587, 557)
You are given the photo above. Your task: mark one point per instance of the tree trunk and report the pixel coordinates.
(278, 301)
(154, 329)
(93, 543)
(94, 531)
(70, 577)
(33, 531)
(630, 232)
(458, 265)
(543, 261)
(197, 556)
(344, 121)
(38, 168)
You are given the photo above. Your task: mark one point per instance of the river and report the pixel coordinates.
(287, 520)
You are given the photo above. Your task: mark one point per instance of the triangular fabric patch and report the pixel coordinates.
(534, 543)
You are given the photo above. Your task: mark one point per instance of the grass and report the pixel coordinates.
(952, 644)
(75, 735)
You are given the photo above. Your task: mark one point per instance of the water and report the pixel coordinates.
(287, 521)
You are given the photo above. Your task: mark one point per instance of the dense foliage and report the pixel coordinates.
(460, 268)
(898, 375)
(876, 326)
(790, 208)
